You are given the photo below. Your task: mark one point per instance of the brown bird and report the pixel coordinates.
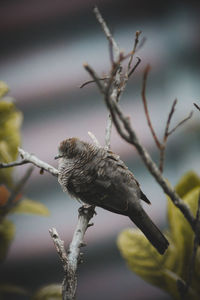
(99, 177)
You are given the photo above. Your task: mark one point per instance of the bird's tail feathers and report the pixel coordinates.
(150, 230)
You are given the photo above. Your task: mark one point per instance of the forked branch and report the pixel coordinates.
(160, 145)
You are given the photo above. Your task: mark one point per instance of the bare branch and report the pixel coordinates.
(197, 106)
(137, 34)
(71, 259)
(130, 136)
(59, 245)
(94, 139)
(134, 67)
(37, 162)
(95, 77)
(165, 137)
(92, 81)
(108, 132)
(181, 123)
(166, 134)
(125, 130)
(107, 33)
(14, 163)
(30, 158)
(147, 69)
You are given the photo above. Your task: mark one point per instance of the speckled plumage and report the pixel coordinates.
(98, 177)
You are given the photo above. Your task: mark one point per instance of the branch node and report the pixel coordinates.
(82, 244)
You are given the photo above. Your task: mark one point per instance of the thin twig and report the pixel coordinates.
(107, 32)
(114, 57)
(147, 69)
(166, 133)
(136, 40)
(134, 67)
(181, 123)
(197, 106)
(165, 136)
(95, 77)
(91, 81)
(130, 70)
(94, 139)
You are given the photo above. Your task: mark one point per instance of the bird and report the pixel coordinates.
(98, 177)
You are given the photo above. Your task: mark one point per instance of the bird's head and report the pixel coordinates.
(72, 148)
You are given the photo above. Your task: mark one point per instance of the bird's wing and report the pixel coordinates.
(113, 184)
(131, 178)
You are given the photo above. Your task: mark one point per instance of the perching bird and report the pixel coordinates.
(98, 177)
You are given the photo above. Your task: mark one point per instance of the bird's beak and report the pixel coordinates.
(57, 156)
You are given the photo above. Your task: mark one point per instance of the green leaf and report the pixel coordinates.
(28, 206)
(49, 292)
(7, 231)
(187, 182)
(141, 256)
(3, 89)
(10, 122)
(181, 232)
(6, 110)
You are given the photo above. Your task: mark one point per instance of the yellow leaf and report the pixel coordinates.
(28, 206)
(49, 292)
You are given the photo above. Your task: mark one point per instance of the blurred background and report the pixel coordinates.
(43, 47)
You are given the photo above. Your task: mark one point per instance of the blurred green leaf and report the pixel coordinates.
(187, 182)
(3, 89)
(7, 231)
(10, 122)
(141, 256)
(49, 292)
(28, 206)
